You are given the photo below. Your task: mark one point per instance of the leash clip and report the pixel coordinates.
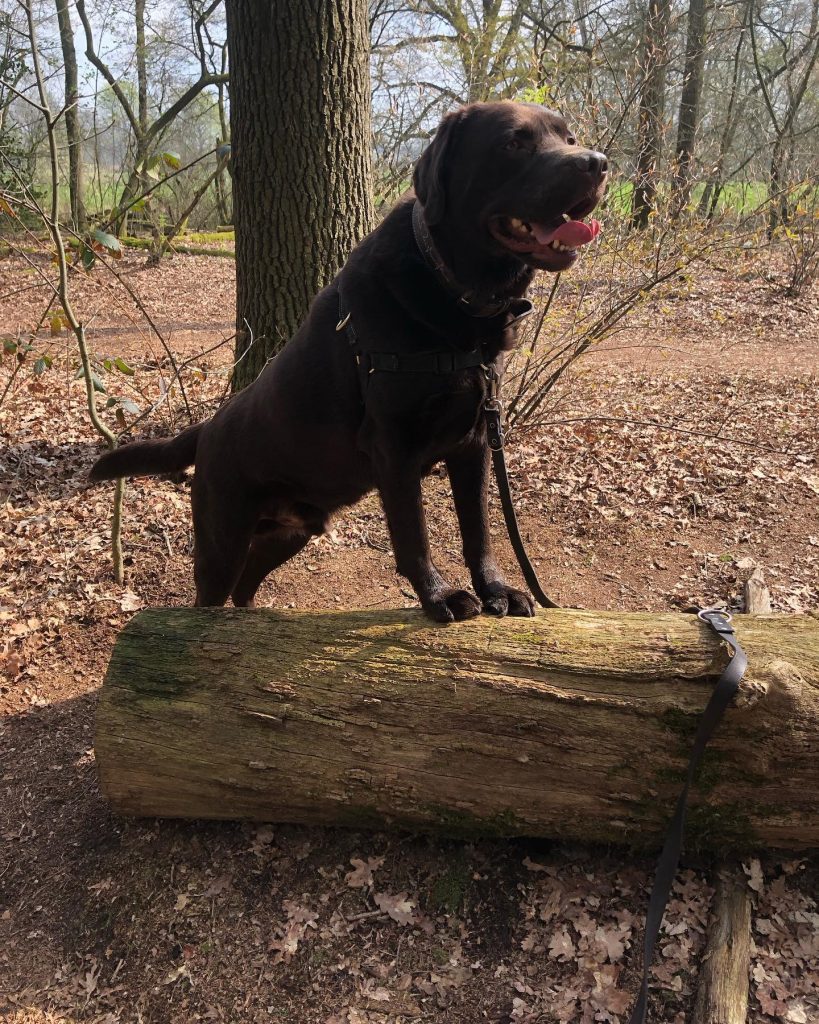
(491, 374)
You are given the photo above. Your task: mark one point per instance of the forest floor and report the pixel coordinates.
(111, 920)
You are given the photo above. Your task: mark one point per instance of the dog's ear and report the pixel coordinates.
(428, 176)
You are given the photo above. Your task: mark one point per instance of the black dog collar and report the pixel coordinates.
(433, 259)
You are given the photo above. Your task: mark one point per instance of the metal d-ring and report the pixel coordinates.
(703, 612)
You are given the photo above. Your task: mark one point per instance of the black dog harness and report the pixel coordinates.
(445, 362)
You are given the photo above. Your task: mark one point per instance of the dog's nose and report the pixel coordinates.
(595, 163)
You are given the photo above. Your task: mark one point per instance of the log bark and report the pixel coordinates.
(572, 724)
(722, 987)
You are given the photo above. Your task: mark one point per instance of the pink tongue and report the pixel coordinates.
(572, 233)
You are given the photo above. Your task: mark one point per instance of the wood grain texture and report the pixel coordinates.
(722, 986)
(573, 724)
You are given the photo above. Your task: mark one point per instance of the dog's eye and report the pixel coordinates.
(514, 144)
(571, 140)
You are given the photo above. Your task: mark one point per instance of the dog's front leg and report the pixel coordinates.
(469, 476)
(400, 489)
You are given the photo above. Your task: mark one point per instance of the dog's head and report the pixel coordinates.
(511, 178)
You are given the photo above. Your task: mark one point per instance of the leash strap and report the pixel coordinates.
(723, 694)
(495, 436)
(669, 859)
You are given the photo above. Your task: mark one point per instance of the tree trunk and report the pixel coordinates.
(572, 724)
(300, 130)
(690, 102)
(783, 126)
(141, 67)
(652, 98)
(73, 130)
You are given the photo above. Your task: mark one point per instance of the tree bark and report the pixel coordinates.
(73, 130)
(652, 100)
(690, 101)
(572, 724)
(141, 66)
(300, 131)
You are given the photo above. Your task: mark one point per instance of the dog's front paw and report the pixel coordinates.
(499, 599)
(452, 606)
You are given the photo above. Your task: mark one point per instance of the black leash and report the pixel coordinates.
(721, 697)
(494, 436)
(723, 694)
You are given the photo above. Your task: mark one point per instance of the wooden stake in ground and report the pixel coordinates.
(572, 724)
(756, 594)
(722, 990)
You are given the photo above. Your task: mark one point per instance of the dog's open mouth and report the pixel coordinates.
(552, 245)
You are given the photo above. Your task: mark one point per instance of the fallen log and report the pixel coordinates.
(573, 724)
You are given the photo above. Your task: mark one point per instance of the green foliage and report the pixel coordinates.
(209, 237)
(108, 242)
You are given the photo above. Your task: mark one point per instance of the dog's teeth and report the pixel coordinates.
(555, 244)
(565, 216)
(517, 224)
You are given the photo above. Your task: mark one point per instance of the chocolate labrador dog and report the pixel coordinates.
(389, 372)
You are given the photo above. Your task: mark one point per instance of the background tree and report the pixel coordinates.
(300, 128)
(688, 118)
(165, 63)
(73, 128)
(794, 45)
(652, 99)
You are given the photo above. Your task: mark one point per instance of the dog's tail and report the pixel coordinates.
(148, 458)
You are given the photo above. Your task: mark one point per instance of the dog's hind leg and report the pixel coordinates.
(223, 526)
(267, 552)
(286, 526)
